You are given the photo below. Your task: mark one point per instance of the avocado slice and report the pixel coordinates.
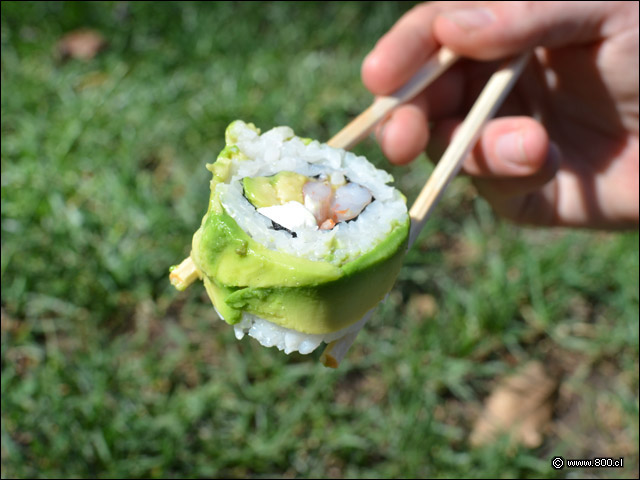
(278, 189)
(227, 254)
(331, 305)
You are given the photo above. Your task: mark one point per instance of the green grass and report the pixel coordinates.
(108, 372)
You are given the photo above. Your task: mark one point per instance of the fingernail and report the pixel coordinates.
(471, 18)
(510, 148)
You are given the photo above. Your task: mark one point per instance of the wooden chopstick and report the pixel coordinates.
(492, 96)
(363, 124)
(490, 99)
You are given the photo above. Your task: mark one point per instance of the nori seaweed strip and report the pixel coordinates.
(277, 226)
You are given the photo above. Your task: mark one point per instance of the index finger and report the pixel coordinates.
(401, 52)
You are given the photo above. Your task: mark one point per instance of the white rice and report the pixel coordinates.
(279, 150)
(285, 339)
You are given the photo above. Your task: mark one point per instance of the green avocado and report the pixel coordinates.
(329, 306)
(278, 189)
(225, 253)
(313, 297)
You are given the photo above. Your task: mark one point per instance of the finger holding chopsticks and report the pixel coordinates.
(563, 150)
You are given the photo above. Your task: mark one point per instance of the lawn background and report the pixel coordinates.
(107, 371)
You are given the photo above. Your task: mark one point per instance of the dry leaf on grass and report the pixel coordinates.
(521, 406)
(422, 305)
(82, 44)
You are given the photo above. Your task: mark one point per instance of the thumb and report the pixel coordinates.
(491, 30)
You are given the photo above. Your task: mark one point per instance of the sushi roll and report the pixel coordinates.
(300, 240)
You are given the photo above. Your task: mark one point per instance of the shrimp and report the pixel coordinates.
(329, 207)
(349, 201)
(317, 199)
(328, 224)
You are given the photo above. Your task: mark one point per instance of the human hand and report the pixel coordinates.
(565, 148)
